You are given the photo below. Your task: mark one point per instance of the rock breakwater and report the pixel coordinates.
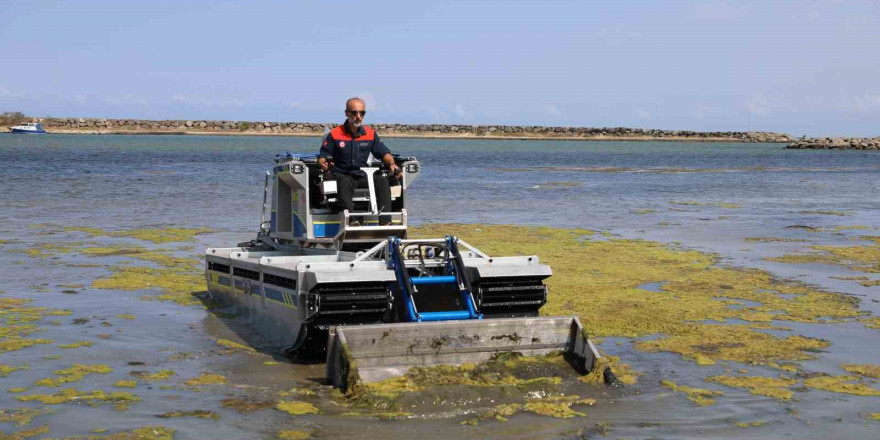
(140, 126)
(836, 144)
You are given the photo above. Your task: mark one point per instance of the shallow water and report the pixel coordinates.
(703, 196)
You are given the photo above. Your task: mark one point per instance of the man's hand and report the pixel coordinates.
(395, 170)
(324, 164)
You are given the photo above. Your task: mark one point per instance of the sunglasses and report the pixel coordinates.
(355, 112)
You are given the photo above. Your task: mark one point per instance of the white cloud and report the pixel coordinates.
(431, 111)
(719, 10)
(701, 110)
(207, 102)
(866, 103)
(4, 90)
(647, 116)
(460, 111)
(81, 98)
(125, 101)
(369, 99)
(551, 109)
(758, 105)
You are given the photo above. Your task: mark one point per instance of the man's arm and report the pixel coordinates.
(381, 151)
(325, 156)
(389, 160)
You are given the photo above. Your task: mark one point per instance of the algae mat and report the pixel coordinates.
(666, 298)
(600, 280)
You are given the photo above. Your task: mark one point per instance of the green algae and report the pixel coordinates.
(508, 373)
(145, 433)
(558, 407)
(292, 435)
(21, 416)
(128, 316)
(125, 383)
(701, 397)
(246, 406)
(198, 413)
(871, 322)
(735, 343)
(820, 212)
(73, 374)
(874, 416)
(750, 424)
(5, 370)
(236, 346)
(120, 400)
(867, 370)
(777, 388)
(644, 211)
(694, 203)
(161, 375)
(17, 390)
(773, 240)
(624, 372)
(849, 227)
(296, 408)
(178, 285)
(155, 235)
(605, 293)
(19, 318)
(859, 258)
(207, 379)
(177, 278)
(560, 410)
(77, 344)
(840, 384)
(499, 372)
(25, 433)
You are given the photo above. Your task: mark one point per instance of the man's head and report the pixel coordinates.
(355, 111)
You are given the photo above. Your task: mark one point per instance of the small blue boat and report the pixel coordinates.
(28, 128)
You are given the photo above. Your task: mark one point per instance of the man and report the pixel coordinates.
(345, 151)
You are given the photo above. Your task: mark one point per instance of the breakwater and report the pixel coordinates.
(836, 143)
(140, 126)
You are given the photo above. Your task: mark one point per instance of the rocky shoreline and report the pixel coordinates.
(202, 127)
(836, 144)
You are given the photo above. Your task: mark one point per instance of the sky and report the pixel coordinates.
(804, 67)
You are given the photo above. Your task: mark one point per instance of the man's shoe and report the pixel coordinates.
(388, 223)
(354, 223)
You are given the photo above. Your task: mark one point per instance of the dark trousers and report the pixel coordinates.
(346, 184)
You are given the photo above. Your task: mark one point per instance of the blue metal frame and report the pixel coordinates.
(453, 275)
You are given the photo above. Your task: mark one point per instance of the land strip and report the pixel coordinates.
(264, 128)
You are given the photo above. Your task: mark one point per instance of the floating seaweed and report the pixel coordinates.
(296, 408)
(198, 413)
(235, 345)
(207, 379)
(701, 397)
(777, 388)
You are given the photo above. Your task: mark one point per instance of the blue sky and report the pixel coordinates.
(802, 67)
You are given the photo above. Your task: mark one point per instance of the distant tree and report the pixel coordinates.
(11, 118)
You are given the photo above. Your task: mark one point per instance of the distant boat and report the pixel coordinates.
(29, 128)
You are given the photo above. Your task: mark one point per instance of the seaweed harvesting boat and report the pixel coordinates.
(373, 302)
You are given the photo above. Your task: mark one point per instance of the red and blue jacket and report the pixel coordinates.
(349, 152)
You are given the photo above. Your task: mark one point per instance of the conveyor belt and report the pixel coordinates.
(510, 296)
